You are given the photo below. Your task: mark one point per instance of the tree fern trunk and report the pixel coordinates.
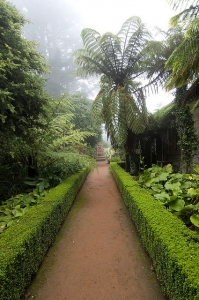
(132, 157)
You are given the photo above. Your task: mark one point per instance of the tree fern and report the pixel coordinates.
(119, 59)
(184, 62)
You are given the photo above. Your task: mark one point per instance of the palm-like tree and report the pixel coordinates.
(120, 60)
(184, 62)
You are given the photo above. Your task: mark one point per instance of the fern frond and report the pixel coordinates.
(74, 137)
(133, 36)
(184, 17)
(184, 63)
(111, 48)
(182, 4)
(192, 30)
(90, 38)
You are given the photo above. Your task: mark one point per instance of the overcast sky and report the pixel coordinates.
(109, 15)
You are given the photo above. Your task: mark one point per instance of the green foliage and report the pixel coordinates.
(115, 159)
(22, 95)
(188, 139)
(185, 3)
(172, 247)
(183, 63)
(179, 193)
(13, 209)
(52, 152)
(119, 60)
(36, 231)
(83, 120)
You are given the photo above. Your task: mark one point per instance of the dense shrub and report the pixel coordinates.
(172, 247)
(24, 245)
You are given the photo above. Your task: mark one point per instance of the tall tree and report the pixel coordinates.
(119, 60)
(22, 96)
(55, 26)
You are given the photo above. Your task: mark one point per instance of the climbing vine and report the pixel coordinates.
(188, 140)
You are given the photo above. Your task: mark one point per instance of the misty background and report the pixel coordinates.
(55, 26)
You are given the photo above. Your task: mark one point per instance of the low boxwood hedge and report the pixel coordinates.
(173, 248)
(24, 245)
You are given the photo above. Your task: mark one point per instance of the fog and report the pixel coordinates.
(56, 27)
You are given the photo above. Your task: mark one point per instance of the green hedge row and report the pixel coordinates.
(173, 248)
(24, 245)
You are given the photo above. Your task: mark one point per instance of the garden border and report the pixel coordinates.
(24, 245)
(172, 247)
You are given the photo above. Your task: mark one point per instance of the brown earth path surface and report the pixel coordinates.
(97, 254)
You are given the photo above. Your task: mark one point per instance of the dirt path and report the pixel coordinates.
(97, 254)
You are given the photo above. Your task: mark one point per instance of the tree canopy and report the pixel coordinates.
(119, 60)
(83, 120)
(183, 62)
(22, 95)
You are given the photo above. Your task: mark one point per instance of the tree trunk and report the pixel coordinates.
(132, 157)
(32, 166)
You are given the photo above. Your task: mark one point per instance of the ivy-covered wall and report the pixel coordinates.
(196, 126)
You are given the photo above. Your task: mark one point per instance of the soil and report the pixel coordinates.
(97, 254)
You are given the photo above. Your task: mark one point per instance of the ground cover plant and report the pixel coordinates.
(12, 209)
(36, 230)
(179, 193)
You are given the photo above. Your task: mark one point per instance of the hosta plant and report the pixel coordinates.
(179, 193)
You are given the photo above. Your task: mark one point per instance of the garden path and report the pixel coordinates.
(97, 254)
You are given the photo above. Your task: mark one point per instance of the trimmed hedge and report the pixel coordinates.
(173, 248)
(24, 245)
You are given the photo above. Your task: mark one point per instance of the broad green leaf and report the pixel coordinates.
(7, 212)
(187, 208)
(163, 197)
(149, 183)
(173, 197)
(177, 176)
(177, 204)
(168, 168)
(31, 183)
(157, 188)
(196, 168)
(195, 219)
(174, 187)
(162, 177)
(17, 207)
(19, 213)
(186, 184)
(10, 223)
(193, 192)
